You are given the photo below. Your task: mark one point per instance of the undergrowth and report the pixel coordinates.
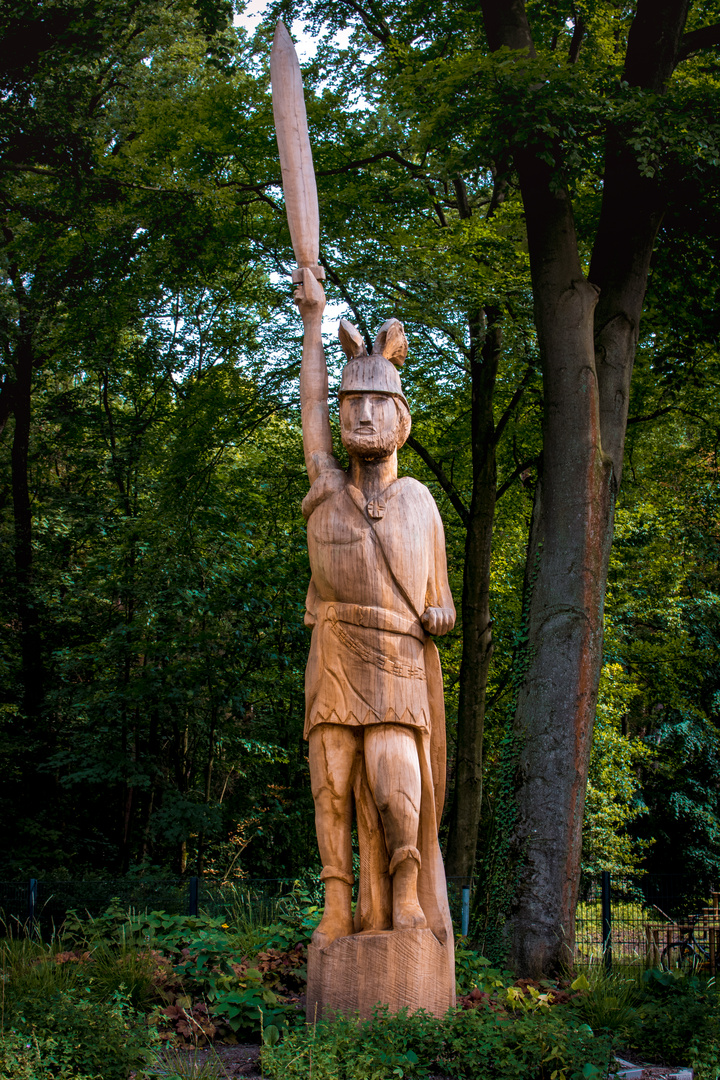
(106, 996)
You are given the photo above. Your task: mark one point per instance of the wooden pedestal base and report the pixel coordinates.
(399, 968)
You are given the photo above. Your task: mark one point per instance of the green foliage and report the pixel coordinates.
(296, 924)
(542, 1044)
(676, 1014)
(474, 972)
(29, 969)
(134, 236)
(613, 799)
(536, 1045)
(705, 1061)
(663, 625)
(500, 863)
(608, 1002)
(247, 1005)
(129, 971)
(160, 964)
(118, 926)
(662, 1015)
(37, 1057)
(207, 958)
(75, 1037)
(56, 999)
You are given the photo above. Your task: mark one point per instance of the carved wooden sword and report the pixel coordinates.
(298, 175)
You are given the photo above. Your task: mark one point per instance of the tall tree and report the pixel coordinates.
(131, 283)
(588, 328)
(583, 110)
(63, 120)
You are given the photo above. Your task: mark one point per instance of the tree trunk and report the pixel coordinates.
(565, 586)
(16, 399)
(30, 640)
(208, 773)
(585, 408)
(477, 648)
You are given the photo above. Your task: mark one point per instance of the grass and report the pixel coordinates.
(611, 999)
(187, 1065)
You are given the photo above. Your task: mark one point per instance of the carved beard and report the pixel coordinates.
(370, 447)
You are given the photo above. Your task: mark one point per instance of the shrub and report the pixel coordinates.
(77, 1036)
(144, 975)
(705, 1062)
(677, 1013)
(532, 1044)
(34, 1057)
(474, 972)
(608, 1002)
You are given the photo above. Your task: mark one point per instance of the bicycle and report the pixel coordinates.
(686, 955)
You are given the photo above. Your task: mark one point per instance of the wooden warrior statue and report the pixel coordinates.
(379, 593)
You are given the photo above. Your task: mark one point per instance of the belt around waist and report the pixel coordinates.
(373, 617)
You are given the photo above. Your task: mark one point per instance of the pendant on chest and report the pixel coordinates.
(376, 509)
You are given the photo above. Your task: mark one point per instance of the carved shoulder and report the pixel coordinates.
(328, 483)
(419, 492)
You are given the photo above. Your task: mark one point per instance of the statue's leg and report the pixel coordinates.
(335, 753)
(374, 906)
(393, 769)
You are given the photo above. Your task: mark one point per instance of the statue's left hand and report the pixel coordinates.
(438, 620)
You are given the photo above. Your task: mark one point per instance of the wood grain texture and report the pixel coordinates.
(375, 716)
(400, 969)
(298, 175)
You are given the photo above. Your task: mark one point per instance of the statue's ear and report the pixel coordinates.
(391, 342)
(351, 340)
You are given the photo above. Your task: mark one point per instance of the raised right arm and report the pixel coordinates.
(317, 437)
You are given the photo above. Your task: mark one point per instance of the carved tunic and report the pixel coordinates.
(373, 574)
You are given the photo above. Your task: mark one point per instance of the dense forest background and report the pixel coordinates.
(152, 551)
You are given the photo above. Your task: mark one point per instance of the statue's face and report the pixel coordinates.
(369, 425)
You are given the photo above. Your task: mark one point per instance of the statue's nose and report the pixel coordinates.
(365, 412)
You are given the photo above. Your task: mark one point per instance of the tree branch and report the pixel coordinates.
(394, 155)
(5, 401)
(502, 686)
(576, 41)
(443, 479)
(520, 390)
(517, 471)
(651, 416)
(463, 203)
(436, 205)
(340, 284)
(380, 30)
(506, 23)
(707, 37)
(654, 42)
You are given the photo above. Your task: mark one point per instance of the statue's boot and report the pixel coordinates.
(337, 920)
(407, 913)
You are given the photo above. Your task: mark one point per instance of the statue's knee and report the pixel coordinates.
(382, 801)
(398, 805)
(329, 801)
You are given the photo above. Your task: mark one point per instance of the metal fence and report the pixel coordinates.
(619, 920)
(622, 920)
(47, 902)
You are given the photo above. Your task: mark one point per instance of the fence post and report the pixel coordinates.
(193, 897)
(465, 916)
(606, 920)
(32, 901)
